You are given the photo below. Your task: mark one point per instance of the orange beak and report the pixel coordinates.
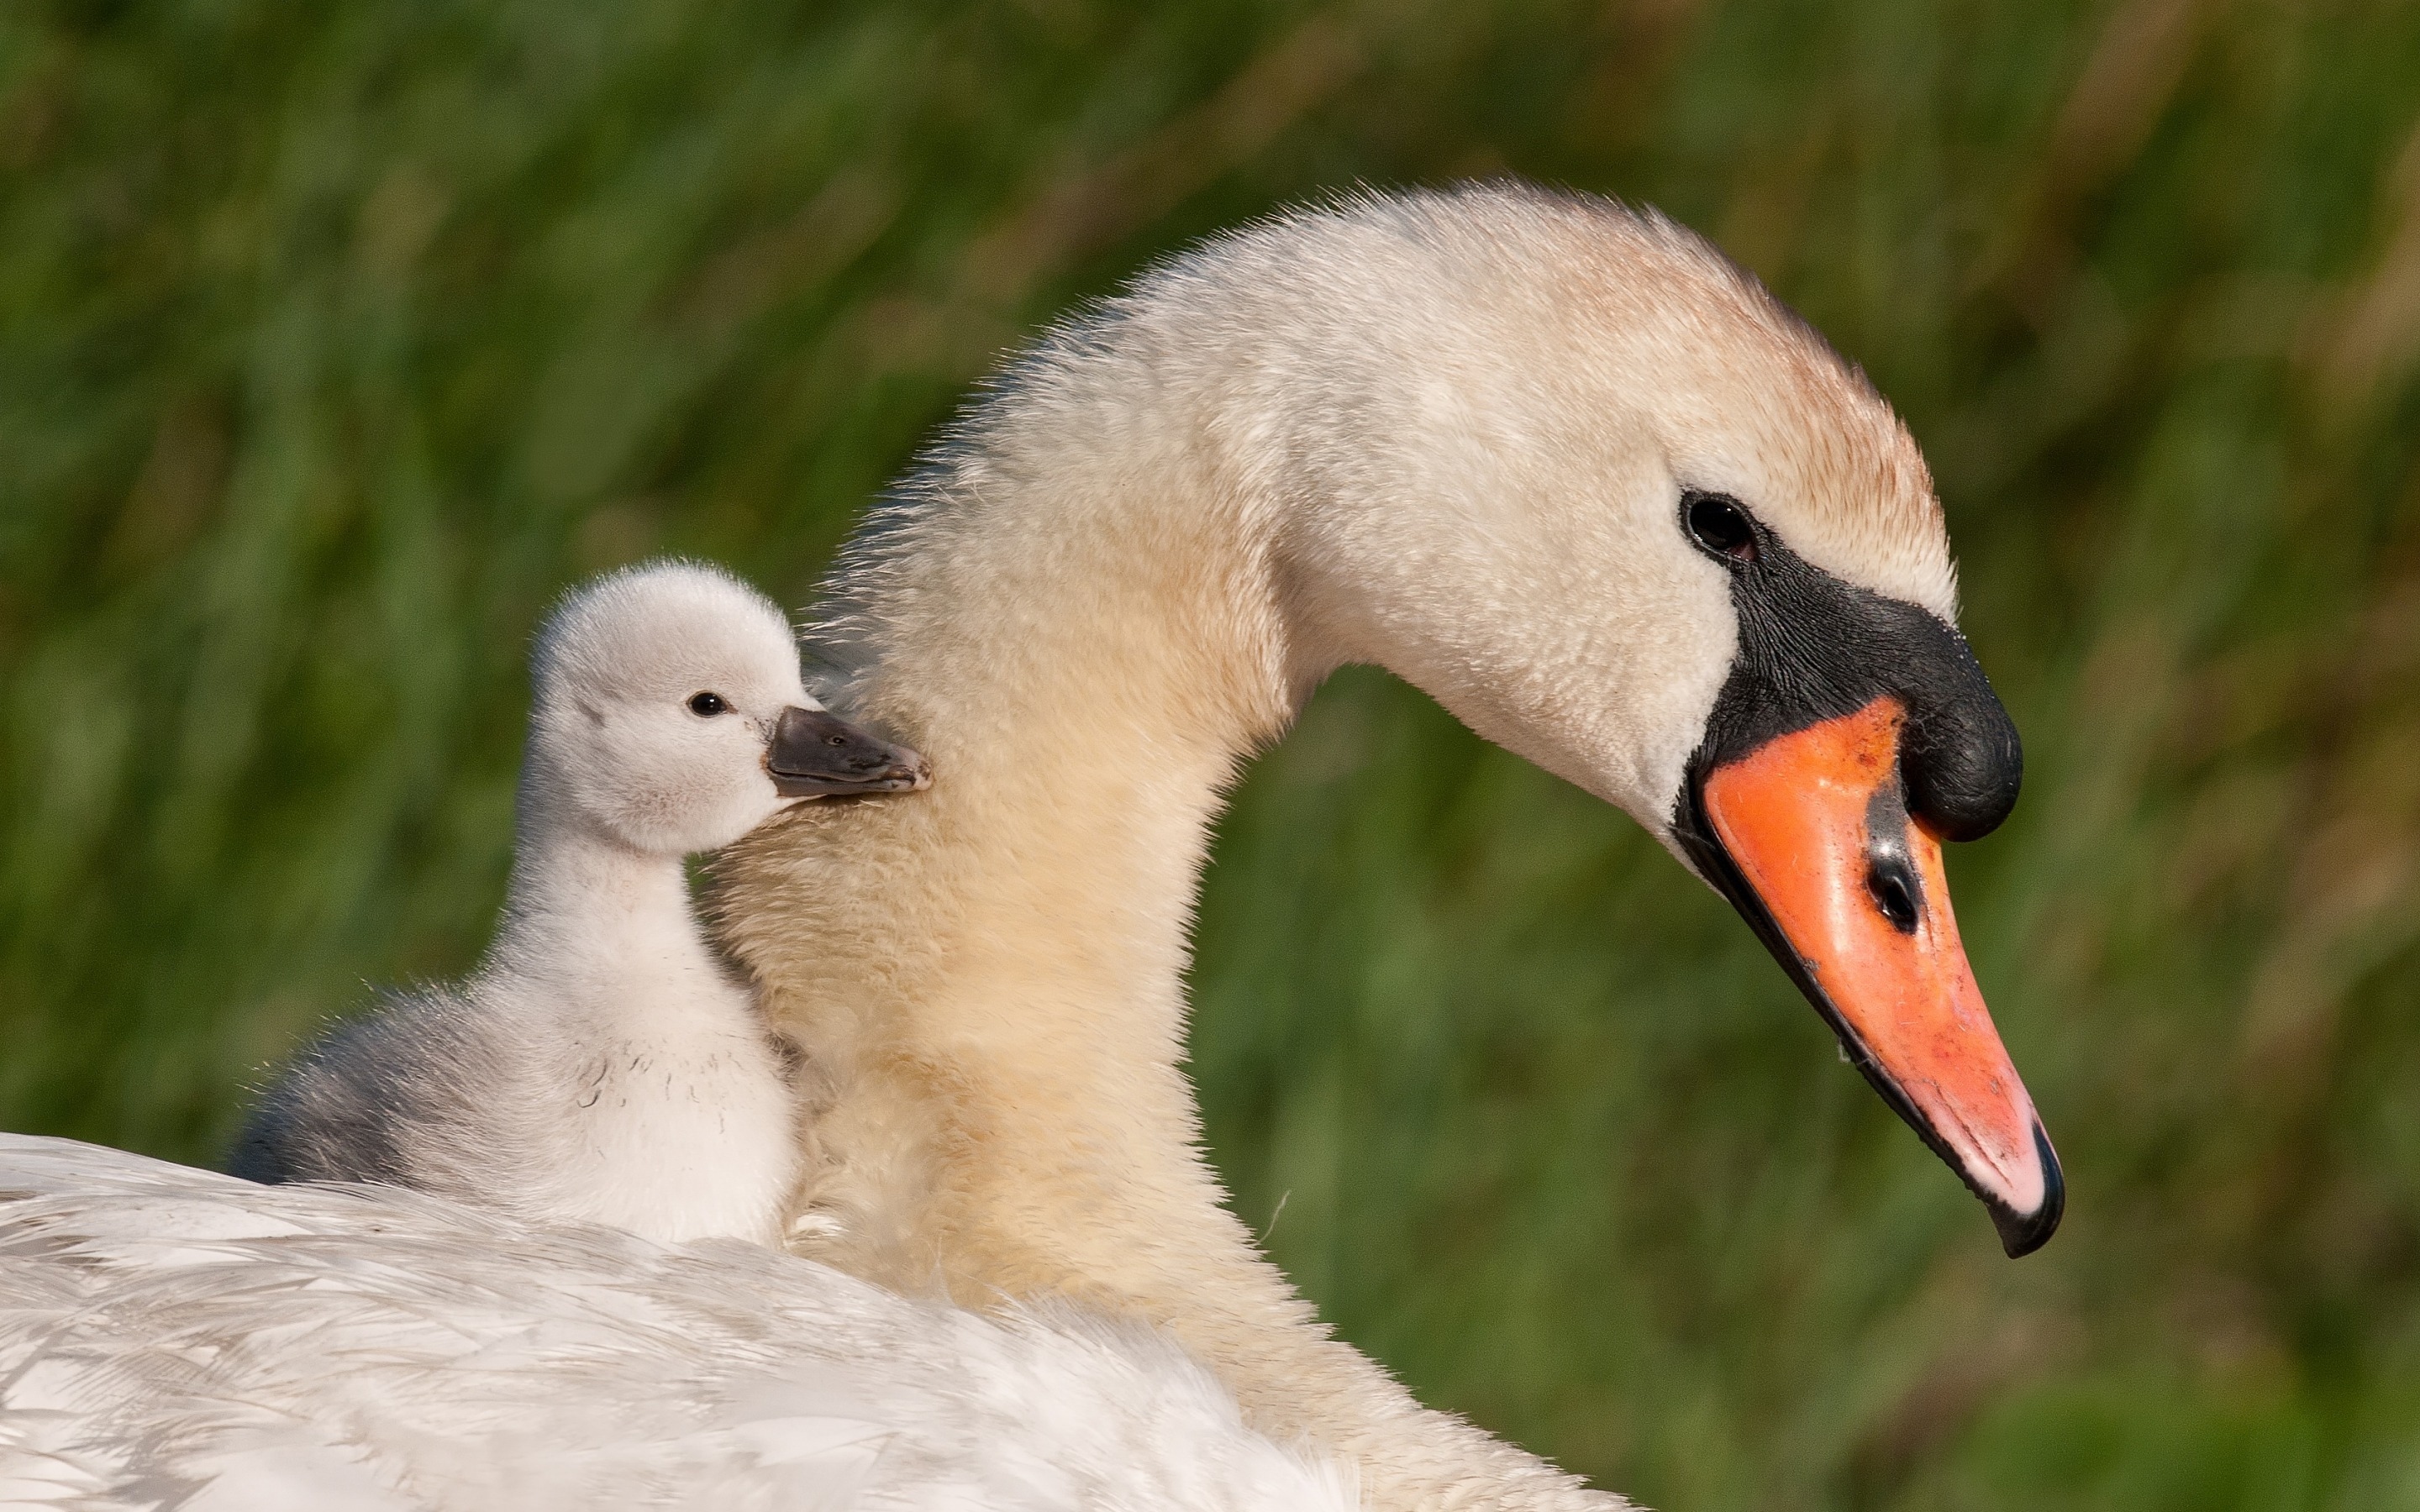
(1855, 903)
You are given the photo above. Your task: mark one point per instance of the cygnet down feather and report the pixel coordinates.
(603, 1064)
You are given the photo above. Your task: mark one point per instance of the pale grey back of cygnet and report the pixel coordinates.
(601, 1064)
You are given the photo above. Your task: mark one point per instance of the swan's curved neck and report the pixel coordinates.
(1082, 616)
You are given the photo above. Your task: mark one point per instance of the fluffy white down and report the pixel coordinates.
(175, 1339)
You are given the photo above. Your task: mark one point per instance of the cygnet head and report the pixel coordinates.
(669, 716)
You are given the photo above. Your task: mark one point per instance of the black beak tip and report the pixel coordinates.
(2022, 1233)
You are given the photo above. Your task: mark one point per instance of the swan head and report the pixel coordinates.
(1627, 516)
(669, 714)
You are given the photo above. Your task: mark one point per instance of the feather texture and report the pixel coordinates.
(172, 1338)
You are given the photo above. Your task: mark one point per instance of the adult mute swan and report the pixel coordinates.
(601, 1066)
(1558, 464)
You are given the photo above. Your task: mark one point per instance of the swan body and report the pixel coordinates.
(601, 1065)
(171, 1338)
(1558, 464)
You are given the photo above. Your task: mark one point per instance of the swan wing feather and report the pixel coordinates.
(172, 1338)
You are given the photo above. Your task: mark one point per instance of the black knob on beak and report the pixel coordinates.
(1962, 761)
(817, 754)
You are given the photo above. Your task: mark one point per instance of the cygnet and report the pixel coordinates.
(603, 1064)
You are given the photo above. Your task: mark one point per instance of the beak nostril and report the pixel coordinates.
(1895, 893)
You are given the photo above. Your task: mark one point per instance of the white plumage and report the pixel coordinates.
(171, 1338)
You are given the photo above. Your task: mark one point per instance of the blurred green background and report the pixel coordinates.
(336, 338)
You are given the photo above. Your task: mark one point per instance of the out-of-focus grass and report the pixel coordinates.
(334, 339)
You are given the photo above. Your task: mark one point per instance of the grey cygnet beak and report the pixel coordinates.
(815, 755)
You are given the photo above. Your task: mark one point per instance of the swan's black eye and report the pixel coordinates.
(1720, 526)
(708, 705)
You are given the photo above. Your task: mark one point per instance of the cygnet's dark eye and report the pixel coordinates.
(1720, 526)
(708, 705)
